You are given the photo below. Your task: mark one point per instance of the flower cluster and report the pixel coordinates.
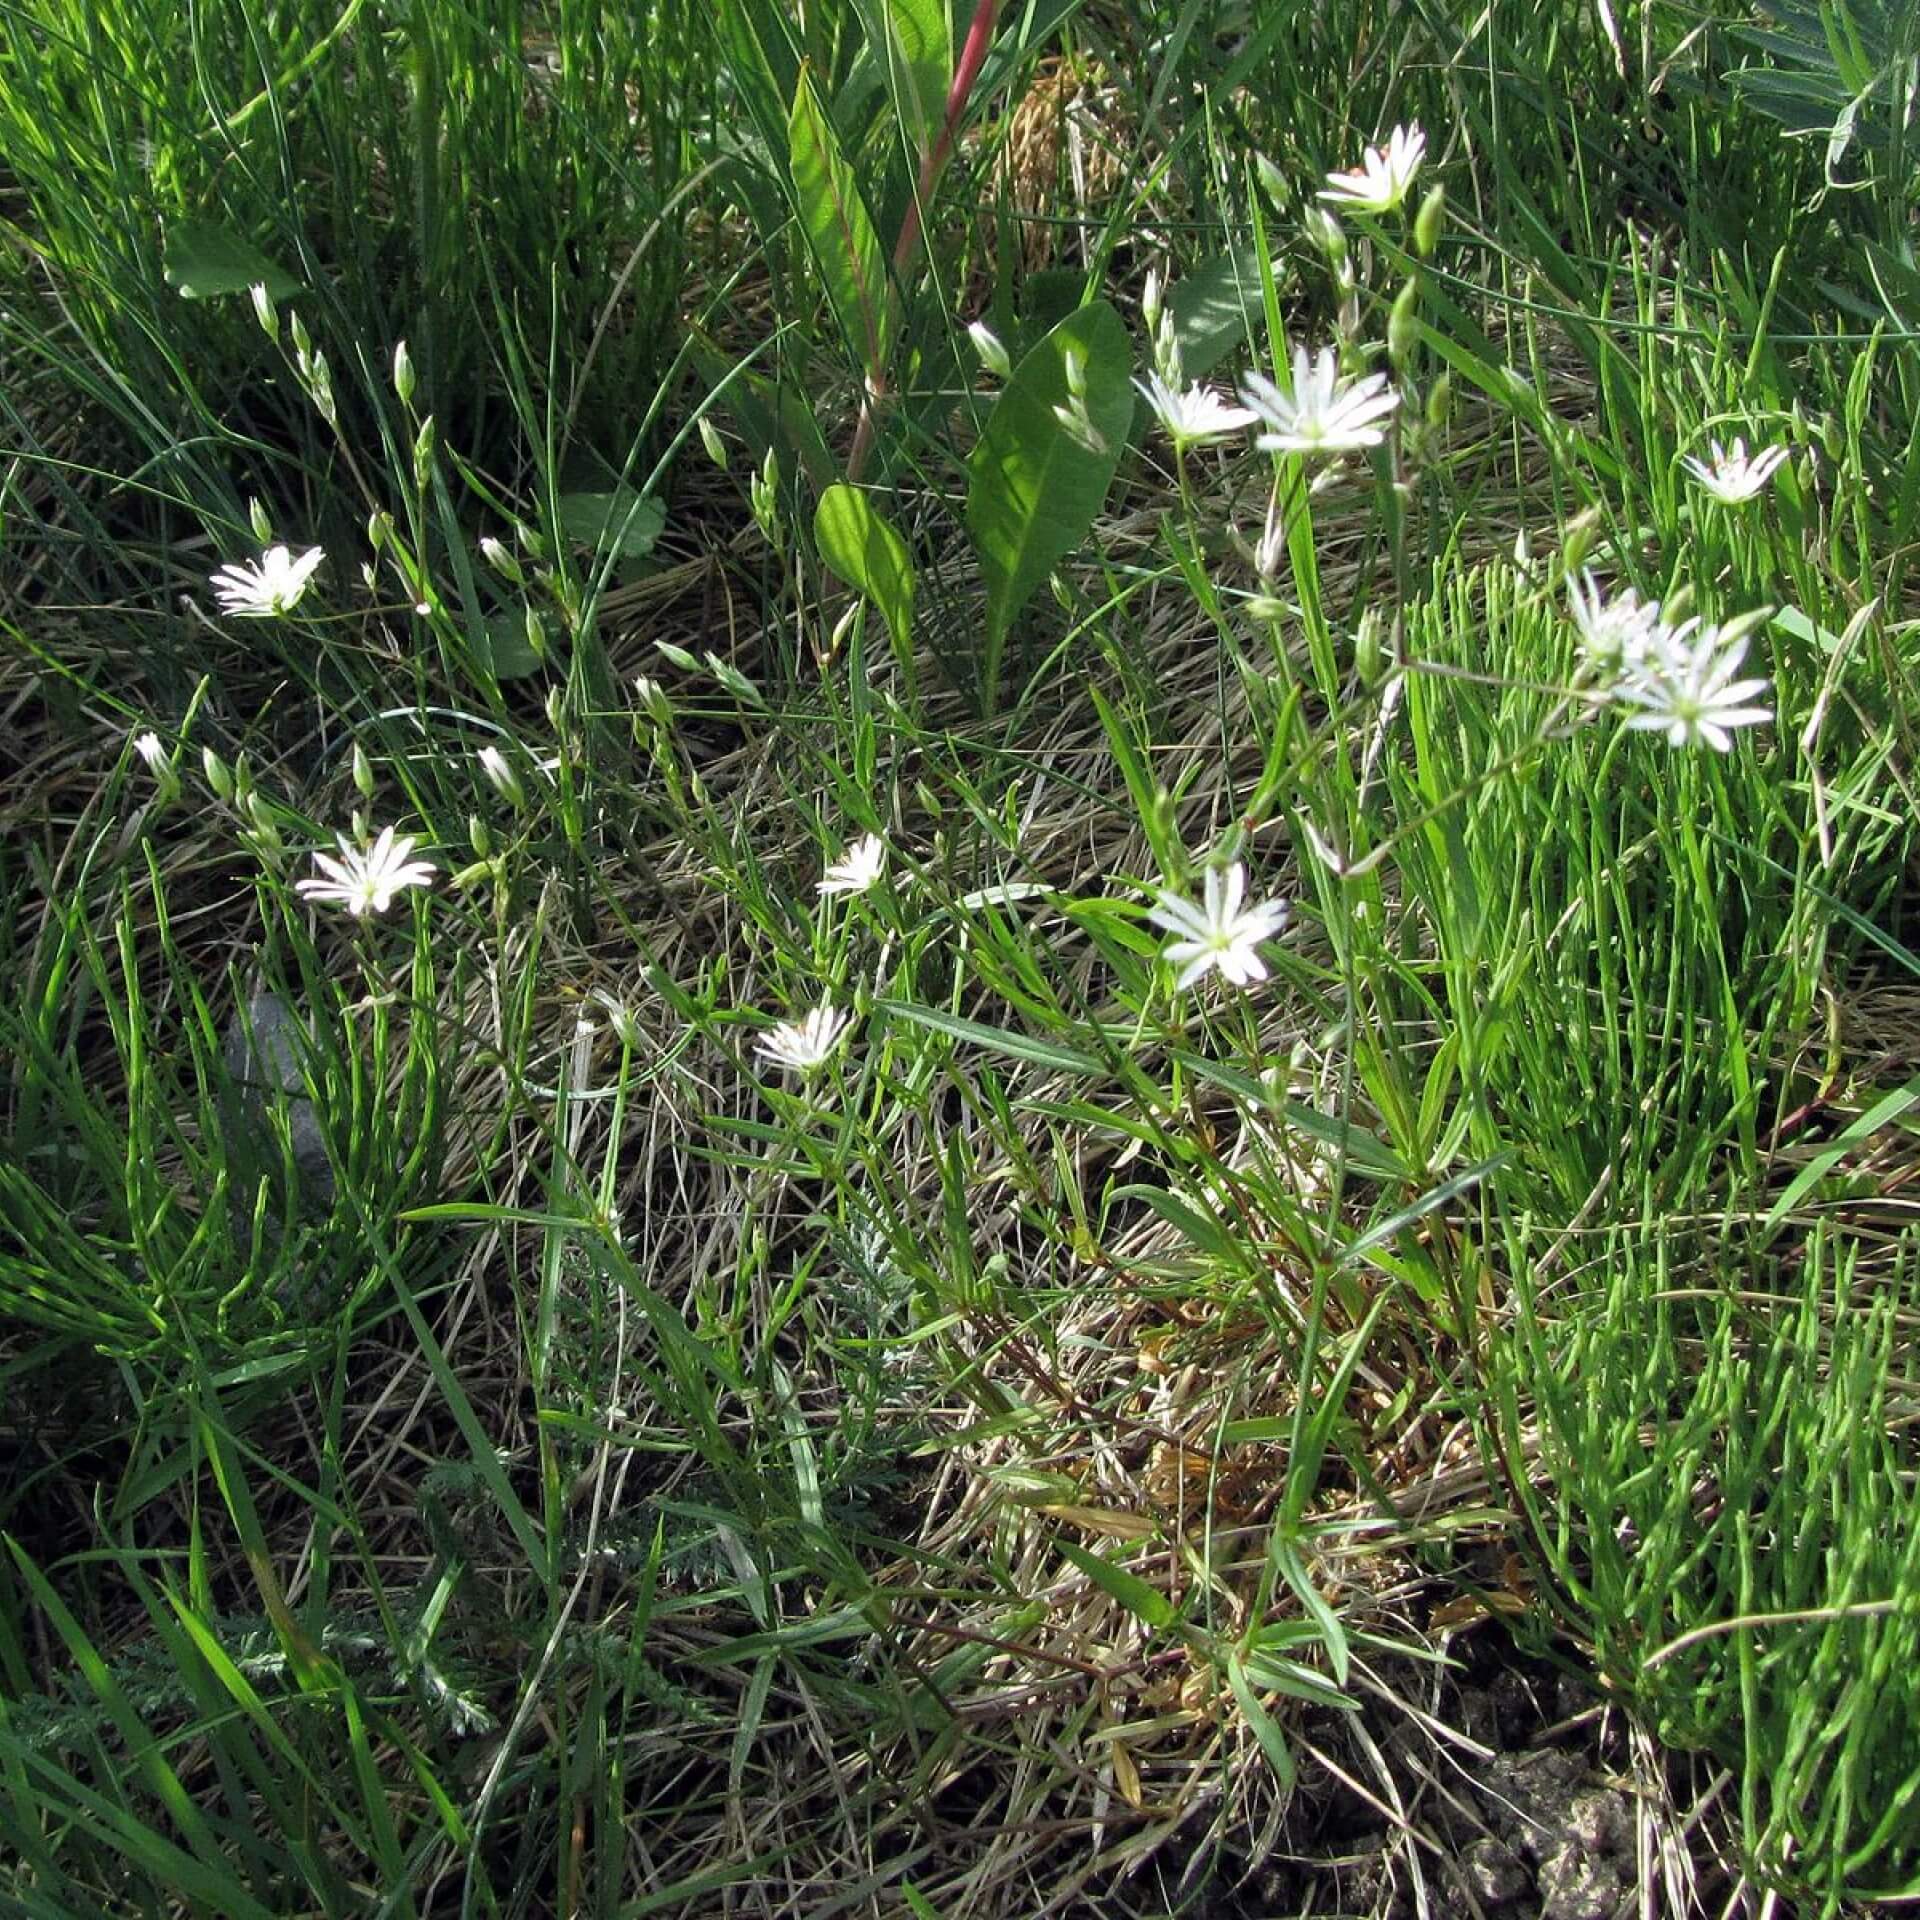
(1681, 678)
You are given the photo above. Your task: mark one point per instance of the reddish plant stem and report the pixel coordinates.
(973, 56)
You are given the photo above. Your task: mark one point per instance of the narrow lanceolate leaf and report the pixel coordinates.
(838, 227)
(859, 543)
(912, 44)
(1034, 485)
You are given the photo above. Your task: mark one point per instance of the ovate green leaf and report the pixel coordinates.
(203, 261)
(859, 543)
(1033, 486)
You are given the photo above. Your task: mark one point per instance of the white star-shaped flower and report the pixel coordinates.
(1613, 633)
(1199, 414)
(365, 881)
(803, 1045)
(271, 588)
(1732, 475)
(1384, 175)
(857, 869)
(152, 750)
(1322, 414)
(1686, 688)
(1220, 933)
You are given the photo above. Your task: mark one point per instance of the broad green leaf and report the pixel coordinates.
(204, 261)
(860, 544)
(1141, 1600)
(1034, 487)
(1216, 309)
(838, 227)
(624, 520)
(912, 44)
(509, 647)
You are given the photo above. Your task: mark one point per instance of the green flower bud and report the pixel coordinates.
(1403, 323)
(263, 311)
(1428, 222)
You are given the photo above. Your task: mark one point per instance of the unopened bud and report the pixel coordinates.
(1428, 222)
(423, 444)
(1150, 301)
(1403, 323)
(1578, 544)
(993, 355)
(499, 556)
(258, 521)
(403, 375)
(501, 776)
(653, 700)
(478, 838)
(219, 780)
(715, 446)
(302, 340)
(1440, 401)
(1368, 655)
(1327, 234)
(362, 771)
(264, 312)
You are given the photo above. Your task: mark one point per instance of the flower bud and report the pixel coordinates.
(263, 311)
(1428, 222)
(1327, 234)
(502, 778)
(1403, 323)
(219, 780)
(1368, 656)
(258, 521)
(1440, 401)
(1578, 544)
(499, 556)
(423, 445)
(152, 751)
(302, 340)
(993, 355)
(653, 700)
(1150, 301)
(478, 838)
(715, 446)
(362, 771)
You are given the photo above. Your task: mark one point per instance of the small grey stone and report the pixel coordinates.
(1495, 1872)
(1577, 1885)
(264, 1057)
(1598, 1822)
